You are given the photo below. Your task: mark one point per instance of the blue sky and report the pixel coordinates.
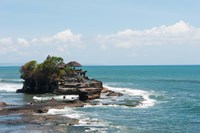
(101, 32)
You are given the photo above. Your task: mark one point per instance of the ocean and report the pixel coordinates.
(171, 100)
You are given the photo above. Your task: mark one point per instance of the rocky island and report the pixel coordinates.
(54, 84)
(67, 85)
(54, 76)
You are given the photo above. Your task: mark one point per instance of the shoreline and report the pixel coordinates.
(36, 115)
(36, 112)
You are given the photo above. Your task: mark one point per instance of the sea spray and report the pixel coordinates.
(10, 87)
(146, 102)
(56, 98)
(131, 98)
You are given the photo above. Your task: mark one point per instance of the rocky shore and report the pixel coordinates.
(36, 111)
(56, 77)
(67, 85)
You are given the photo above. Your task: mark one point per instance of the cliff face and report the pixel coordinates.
(38, 86)
(54, 76)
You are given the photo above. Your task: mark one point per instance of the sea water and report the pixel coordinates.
(170, 103)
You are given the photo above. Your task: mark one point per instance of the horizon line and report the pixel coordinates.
(18, 65)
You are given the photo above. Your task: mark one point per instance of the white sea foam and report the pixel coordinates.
(146, 102)
(11, 87)
(84, 120)
(131, 98)
(67, 111)
(57, 98)
(72, 113)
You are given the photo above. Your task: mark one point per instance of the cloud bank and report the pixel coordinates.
(123, 45)
(178, 33)
(59, 42)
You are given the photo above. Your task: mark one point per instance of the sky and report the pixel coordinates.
(101, 32)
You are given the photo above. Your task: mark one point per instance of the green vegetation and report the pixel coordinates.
(45, 76)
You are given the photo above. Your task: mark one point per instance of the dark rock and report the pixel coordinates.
(67, 91)
(95, 96)
(2, 104)
(112, 93)
(51, 120)
(39, 107)
(133, 103)
(41, 110)
(89, 93)
(104, 90)
(19, 91)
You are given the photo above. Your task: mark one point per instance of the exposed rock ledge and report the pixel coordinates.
(31, 113)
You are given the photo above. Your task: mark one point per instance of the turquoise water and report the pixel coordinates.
(171, 96)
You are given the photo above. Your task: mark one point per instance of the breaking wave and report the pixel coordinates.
(57, 98)
(89, 123)
(10, 87)
(145, 95)
(11, 81)
(131, 98)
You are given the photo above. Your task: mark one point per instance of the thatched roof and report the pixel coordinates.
(73, 64)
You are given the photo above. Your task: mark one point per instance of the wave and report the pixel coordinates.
(67, 111)
(91, 124)
(146, 102)
(10, 87)
(11, 80)
(131, 98)
(57, 98)
(94, 124)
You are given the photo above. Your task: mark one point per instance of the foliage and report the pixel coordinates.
(27, 69)
(45, 74)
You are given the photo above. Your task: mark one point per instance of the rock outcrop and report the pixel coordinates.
(54, 76)
(38, 107)
(3, 104)
(89, 93)
(112, 93)
(33, 113)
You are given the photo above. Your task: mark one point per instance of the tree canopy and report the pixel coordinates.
(43, 75)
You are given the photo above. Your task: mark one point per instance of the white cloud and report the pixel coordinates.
(59, 42)
(178, 33)
(22, 42)
(6, 40)
(6, 44)
(66, 36)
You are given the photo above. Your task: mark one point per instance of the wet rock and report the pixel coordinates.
(2, 104)
(133, 103)
(112, 93)
(50, 119)
(39, 107)
(95, 96)
(19, 91)
(67, 91)
(104, 90)
(89, 93)
(41, 111)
